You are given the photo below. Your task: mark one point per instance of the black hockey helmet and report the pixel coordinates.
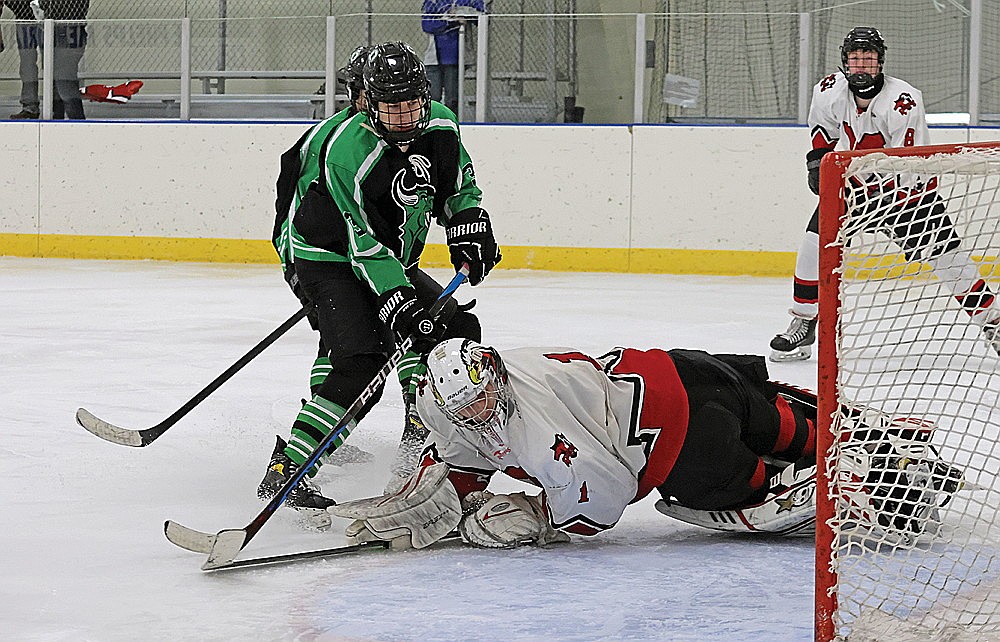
(353, 74)
(864, 39)
(394, 74)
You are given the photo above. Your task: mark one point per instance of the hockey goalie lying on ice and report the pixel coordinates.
(724, 447)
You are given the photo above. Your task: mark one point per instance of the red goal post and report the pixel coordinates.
(897, 349)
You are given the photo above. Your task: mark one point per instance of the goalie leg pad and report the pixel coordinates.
(788, 509)
(420, 513)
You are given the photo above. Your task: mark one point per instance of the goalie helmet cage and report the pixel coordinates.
(908, 553)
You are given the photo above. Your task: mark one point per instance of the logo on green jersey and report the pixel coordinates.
(413, 193)
(469, 173)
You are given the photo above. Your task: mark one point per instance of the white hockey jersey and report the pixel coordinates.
(894, 118)
(595, 434)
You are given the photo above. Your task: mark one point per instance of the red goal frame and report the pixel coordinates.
(831, 214)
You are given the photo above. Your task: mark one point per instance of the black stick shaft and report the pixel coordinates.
(160, 428)
(146, 436)
(378, 545)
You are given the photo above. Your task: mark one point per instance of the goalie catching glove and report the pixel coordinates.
(420, 513)
(507, 521)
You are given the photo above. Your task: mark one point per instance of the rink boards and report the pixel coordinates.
(650, 198)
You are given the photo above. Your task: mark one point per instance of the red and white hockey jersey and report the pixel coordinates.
(595, 434)
(894, 118)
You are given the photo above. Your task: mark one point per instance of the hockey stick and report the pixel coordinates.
(146, 436)
(224, 546)
(378, 545)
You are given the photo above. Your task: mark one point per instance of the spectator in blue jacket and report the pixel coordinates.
(442, 19)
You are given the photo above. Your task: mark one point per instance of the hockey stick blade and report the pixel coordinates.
(144, 437)
(222, 548)
(188, 538)
(227, 545)
(110, 432)
(378, 545)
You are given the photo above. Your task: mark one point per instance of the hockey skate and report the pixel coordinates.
(305, 497)
(991, 332)
(894, 481)
(795, 343)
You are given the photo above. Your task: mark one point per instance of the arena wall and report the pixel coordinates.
(651, 198)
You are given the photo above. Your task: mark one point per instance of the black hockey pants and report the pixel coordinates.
(734, 419)
(358, 343)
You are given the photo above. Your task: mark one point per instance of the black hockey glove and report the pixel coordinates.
(406, 317)
(470, 240)
(813, 158)
(292, 279)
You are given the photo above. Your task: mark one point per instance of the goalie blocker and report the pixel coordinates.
(422, 511)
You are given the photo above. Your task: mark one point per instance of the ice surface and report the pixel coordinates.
(82, 553)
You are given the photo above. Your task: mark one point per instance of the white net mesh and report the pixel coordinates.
(915, 463)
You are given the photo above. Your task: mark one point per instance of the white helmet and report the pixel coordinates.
(470, 386)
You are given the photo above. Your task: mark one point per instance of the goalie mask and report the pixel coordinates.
(397, 93)
(864, 84)
(470, 386)
(353, 74)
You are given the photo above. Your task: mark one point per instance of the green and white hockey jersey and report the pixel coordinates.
(299, 168)
(370, 204)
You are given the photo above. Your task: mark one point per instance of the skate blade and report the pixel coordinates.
(798, 354)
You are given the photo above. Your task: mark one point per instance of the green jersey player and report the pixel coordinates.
(355, 239)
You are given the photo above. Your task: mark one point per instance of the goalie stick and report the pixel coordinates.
(146, 436)
(377, 545)
(223, 547)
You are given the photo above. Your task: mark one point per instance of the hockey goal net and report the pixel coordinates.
(908, 536)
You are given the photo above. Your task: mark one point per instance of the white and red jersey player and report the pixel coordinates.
(839, 121)
(861, 108)
(596, 434)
